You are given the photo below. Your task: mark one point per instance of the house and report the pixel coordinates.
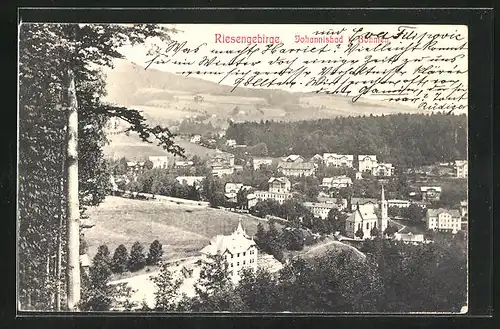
(317, 158)
(421, 204)
(336, 182)
(279, 190)
(257, 162)
(219, 171)
(398, 203)
(462, 168)
(237, 249)
(195, 139)
(159, 161)
(338, 160)
(183, 164)
(320, 209)
(294, 158)
(135, 168)
(296, 168)
(222, 159)
(367, 216)
(366, 163)
(463, 208)
(190, 180)
(363, 201)
(409, 237)
(383, 170)
(279, 185)
(251, 200)
(443, 219)
(278, 197)
(430, 193)
(230, 142)
(232, 187)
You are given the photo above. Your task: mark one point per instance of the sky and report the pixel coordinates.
(448, 83)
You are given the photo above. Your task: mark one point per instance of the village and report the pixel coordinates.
(284, 183)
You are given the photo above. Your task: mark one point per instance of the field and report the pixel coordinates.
(183, 230)
(133, 148)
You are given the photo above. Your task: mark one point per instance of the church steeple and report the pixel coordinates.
(384, 211)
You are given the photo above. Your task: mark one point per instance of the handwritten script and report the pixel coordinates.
(420, 66)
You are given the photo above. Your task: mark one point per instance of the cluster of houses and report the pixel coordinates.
(296, 165)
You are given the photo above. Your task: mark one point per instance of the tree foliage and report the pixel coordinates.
(120, 259)
(402, 139)
(47, 52)
(137, 259)
(155, 253)
(167, 289)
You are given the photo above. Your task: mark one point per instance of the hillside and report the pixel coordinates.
(168, 98)
(183, 230)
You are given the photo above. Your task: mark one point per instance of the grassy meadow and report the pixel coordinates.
(183, 230)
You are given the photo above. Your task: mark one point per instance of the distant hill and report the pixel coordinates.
(167, 96)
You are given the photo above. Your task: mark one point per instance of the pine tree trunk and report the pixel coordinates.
(59, 245)
(73, 212)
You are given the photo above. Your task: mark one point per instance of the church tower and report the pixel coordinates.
(384, 216)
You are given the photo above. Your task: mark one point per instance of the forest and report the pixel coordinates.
(404, 139)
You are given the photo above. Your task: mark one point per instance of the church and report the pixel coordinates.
(367, 216)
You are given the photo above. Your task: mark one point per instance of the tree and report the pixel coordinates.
(148, 164)
(260, 235)
(359, 233)
(120, 259)
(155, 253)
(97, 293)
(214, 278)
(374, 232)
(137, 260)
(241, 198)
(60, 93)
(166, 289)
(336, 220)
(390, 230)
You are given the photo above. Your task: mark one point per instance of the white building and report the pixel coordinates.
(383, 170)
(195, 139)
(462, 168)
(190, 180)
(463, 208)
(430, 193)
(279, 190)
(409, 237)
(159, 161)
(219, 171)
(398, 203)
(366, 217)
(296, 169)
(366, 163)
(320, 209)
(294, 158)
(257, 162)
(238, 250)
(337, 182)
(279, 185)
(338, 160)
(230, 142)
(443, 219)
(183, 164)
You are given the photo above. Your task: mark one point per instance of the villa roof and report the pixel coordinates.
(436, 212)
(237, 242)
(296, 166)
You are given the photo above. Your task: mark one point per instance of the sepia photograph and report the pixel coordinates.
(242, 168)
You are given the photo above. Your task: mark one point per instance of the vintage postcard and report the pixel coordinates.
(243, 168)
